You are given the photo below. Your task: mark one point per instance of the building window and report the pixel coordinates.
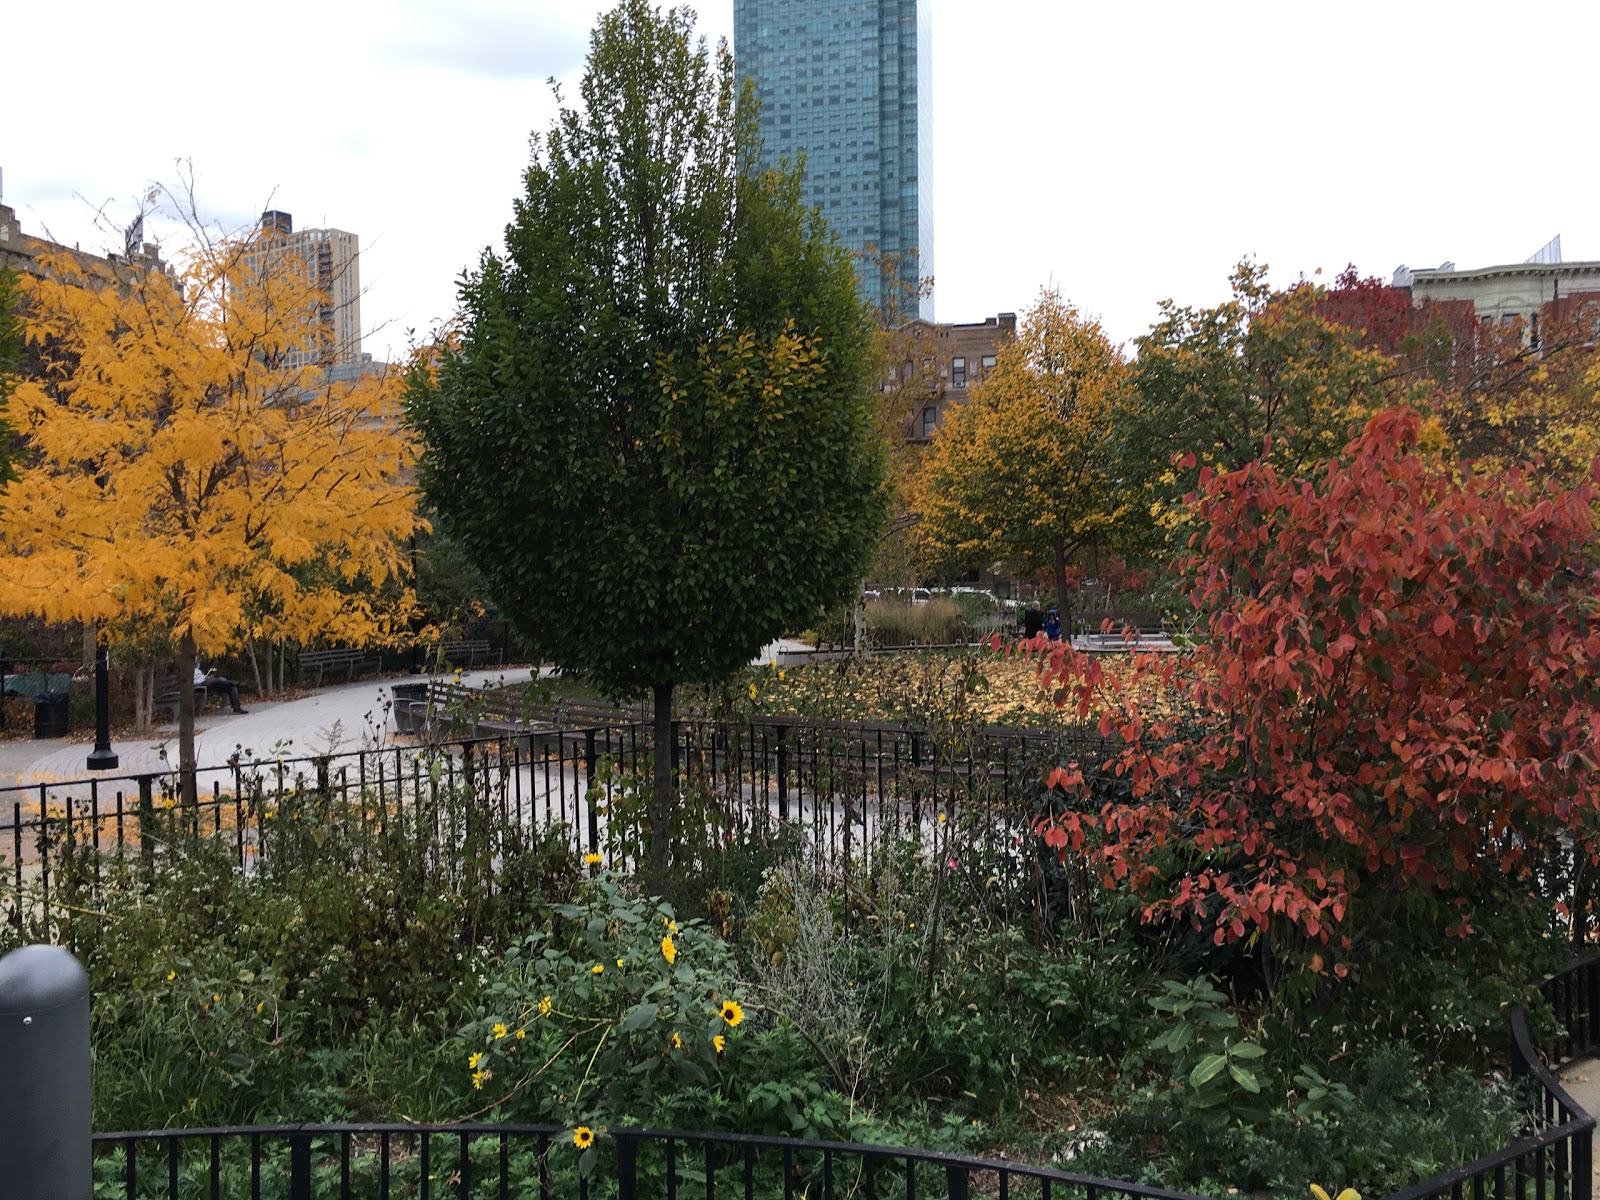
(930, 418)
(958, 372)
(988, 363)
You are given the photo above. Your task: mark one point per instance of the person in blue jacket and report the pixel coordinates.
(1052, 626)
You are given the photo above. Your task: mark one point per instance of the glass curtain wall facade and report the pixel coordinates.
(847, 84)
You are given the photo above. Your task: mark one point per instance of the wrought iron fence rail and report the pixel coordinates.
(754, 781)
(1555, 1161)
(502, 1159)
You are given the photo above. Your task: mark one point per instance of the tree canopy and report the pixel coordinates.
(654, 432)
(1397, 699)
(1025, 470)
(182, 475)
(1265, 369)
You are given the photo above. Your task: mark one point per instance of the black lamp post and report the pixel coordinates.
(102, 758)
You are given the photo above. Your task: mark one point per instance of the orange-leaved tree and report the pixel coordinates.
(1025, 469)
(1399, 698)
(187, 459)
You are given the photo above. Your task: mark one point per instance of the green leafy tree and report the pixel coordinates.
(654, 432)
(1264, 368)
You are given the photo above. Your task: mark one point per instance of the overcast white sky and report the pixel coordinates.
(1124, 152)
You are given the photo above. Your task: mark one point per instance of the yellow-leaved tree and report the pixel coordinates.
(1024, 471)
(191, 474)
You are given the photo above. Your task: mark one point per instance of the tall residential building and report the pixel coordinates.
(332, 258)
(848, 83)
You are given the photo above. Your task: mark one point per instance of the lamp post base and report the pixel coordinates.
(102, 759)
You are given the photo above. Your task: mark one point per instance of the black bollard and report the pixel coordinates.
(45, 1148)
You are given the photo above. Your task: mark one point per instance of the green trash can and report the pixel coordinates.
(50, 715)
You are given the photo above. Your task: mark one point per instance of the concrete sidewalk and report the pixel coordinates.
(340, 717)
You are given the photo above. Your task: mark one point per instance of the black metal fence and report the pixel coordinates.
(1555, 1160)
(432, 1162)
(840, 788)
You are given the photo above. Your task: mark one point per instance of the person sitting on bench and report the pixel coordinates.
(214, 683)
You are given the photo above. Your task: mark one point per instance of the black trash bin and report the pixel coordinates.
(50, 715)
(410, 705)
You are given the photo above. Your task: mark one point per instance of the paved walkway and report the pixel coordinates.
(1582, 1081)
(341, 717)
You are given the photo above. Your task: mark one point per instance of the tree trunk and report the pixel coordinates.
(1063, 609)
(186, 763)
(255, 664)
(141, 713)
(91, 645)
(858, 613)
(663, 797)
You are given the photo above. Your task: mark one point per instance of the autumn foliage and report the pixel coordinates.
(187, 478)
(1400, 684)
(1025, 470)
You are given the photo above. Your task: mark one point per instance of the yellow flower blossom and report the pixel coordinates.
(720, 1042)
(677, 1042)
(593, 860)
(478, 1077)
(752, 691)
(598, 968)
(732, 1013)
(583, 1137)
(474, 1059)
(619, 962)
(669, 950)
(1321, 1193)
(520, 1034)
(171, 975)
(544, 1010)
(499, 1031)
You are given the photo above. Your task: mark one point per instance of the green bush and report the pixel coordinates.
(359, 966)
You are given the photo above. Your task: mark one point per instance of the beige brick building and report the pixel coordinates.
(941, 362)
(22, 252)
(332, 257)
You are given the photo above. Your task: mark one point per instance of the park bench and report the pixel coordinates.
(1109, 631)
(454, 709)
(469, 652)
(345, 658)
(167, 696)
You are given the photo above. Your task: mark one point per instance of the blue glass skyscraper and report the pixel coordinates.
(848, 84)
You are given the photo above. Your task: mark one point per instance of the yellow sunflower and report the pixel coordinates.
(732, 1013)
(583, 1137)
